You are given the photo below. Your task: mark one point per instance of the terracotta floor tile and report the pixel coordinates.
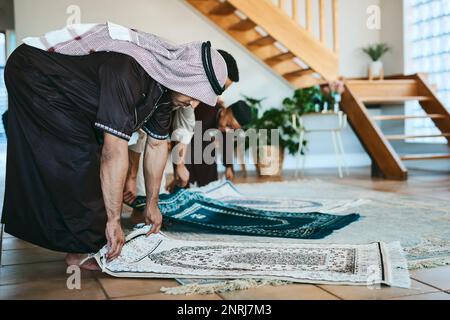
(288, 292)
(364, 293)
(162, 296)
(51, 289)
(32, 255)
(436, 277)
(118, 287)
(14, 244)
(427, 296)
(30, 272)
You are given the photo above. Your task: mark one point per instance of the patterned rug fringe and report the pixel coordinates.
(398, 265)
(427, 264)
(221, 287)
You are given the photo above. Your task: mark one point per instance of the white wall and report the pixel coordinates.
(6, 14)
(177, 21)
(392, 32)
(355, 35)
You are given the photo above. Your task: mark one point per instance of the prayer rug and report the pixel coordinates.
(186, 211)
(159, 256)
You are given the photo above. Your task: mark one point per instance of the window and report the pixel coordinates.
(427, 44)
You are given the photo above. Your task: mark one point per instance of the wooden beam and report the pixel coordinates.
(243, 25)
(323, 21)
(406, 117)
(266, 52)
(280, 58)
(435, 156)
(261, 42)
(286, 66)
(377, 146)
(295, 11)
(385, 88)
(306, 81)
(415, 136)
(223, 9)
(309, 16)
(298, 73)
(336, 29)
(392, 99)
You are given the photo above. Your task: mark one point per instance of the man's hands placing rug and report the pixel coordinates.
(153, 217)
(116, 239)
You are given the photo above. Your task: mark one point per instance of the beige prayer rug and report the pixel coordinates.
(160, 256)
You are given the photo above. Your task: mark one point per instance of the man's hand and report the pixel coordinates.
(130, 190)
(181, 175)
(171, 186)
(229, 173)
(116, 239)
(153, 216)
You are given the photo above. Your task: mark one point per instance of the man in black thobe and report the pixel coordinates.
(70, 119)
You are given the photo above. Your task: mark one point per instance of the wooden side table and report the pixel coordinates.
(333, 122)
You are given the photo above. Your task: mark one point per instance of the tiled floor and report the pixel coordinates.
(30, 272)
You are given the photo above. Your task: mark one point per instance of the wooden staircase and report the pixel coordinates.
(361, 93)
(304, 53)
(275, 35)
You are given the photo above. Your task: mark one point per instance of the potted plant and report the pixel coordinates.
(375, 52)
(270, 157)
(304, 101)
(267, 156)
(332, 93)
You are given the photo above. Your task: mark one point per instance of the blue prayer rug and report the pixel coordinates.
(187, 211)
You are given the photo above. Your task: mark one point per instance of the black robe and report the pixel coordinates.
(204, 173)
(59, 107)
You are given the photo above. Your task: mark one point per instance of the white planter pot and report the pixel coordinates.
(376, 68)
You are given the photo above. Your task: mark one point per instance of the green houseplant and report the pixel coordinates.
(266, 157)
(376, 52)
(304, 101)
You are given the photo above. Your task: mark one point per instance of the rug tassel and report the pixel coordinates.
(220, 287)
(399, 266)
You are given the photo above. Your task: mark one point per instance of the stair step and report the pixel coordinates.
(432, 156)
(404, 137)
(384, 88)
(405, 117)
(280, 58)
(380, 82)
(392, 100)
(243, 25)
(298, 73)
(223, 9)
(261, 42)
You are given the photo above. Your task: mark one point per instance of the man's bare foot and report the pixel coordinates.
(75, 259)
(137, 217)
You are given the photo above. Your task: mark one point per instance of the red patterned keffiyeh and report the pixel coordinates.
(177, 67)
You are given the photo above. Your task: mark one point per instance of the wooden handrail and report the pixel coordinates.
(336, 38)
(309, 16)
(322, 22)
(295, 10)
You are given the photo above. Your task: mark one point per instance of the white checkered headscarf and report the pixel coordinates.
(177, 67)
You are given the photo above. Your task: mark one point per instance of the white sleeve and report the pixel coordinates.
(137, 141)
(183, 125)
